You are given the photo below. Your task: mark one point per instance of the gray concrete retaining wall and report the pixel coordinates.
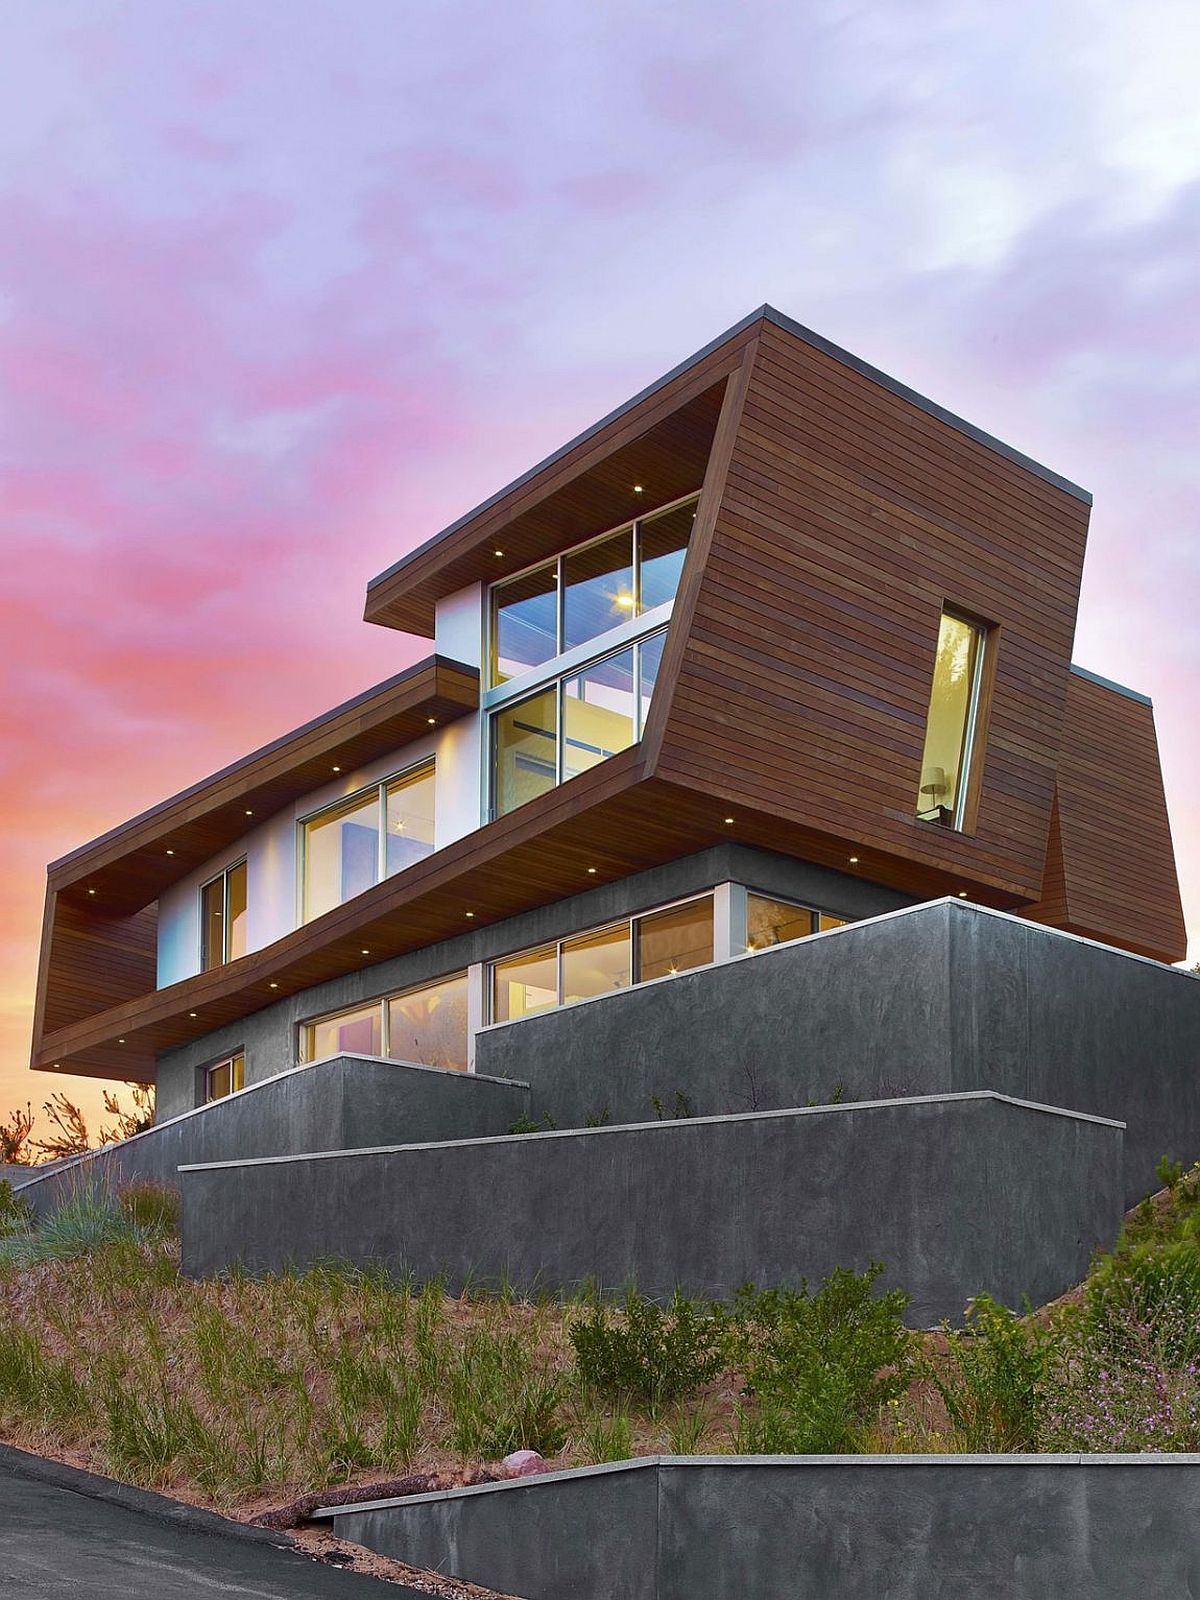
(813, 1528)
(937, 998)
(268, 1037)
(343, 1103)
(956, 1195)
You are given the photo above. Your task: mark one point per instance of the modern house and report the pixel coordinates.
(776, 649)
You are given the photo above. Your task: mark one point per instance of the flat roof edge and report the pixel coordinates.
(1117, 688)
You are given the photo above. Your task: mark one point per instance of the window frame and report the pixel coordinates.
(381, 787)
(966, 799)
(627, 922)
(227, 1060)
(634, 625)
(222, 877)
(382, 1002)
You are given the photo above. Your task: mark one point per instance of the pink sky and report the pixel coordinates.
(284, 288)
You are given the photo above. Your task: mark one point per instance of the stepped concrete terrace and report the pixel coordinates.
(827, 1527)
(345, 1102)
(931, 999)
(949, 1191)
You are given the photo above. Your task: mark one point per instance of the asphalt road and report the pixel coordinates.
(56, 1542)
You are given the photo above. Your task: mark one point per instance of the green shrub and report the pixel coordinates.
(991, 1378)
(1149, 1286)
(16, 1214)
(654, 1355)
(500, 1401)
(1169, 1172)
(817, 1367)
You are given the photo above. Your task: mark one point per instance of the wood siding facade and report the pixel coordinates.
(839, 515)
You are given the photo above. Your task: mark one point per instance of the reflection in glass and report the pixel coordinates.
(358, 1032)
(225, 1078)
(524, 623)
(525, 984)
(598, 712)
(235, 912)
(825, 922)
(212, 923)
(650, 654)
(948, 730)
(662, 545)
(598, 588)
(409, 820)
(674, 940)
(429, 1026)
(524, 751)
(595, 963)
(775, 922)
(341, 853)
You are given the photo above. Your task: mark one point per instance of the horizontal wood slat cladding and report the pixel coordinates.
(1118, 881)
(848, 518)
(98, 944)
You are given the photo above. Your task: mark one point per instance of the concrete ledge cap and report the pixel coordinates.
(732, 1463)
(782, 1114)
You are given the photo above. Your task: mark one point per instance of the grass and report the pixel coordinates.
(245, 1392)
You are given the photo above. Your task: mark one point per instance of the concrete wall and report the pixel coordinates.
(345, 1102)
(268, 1037)
(940, 997)
(813, 1528)
(950, 1193)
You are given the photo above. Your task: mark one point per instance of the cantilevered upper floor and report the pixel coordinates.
(776, 598)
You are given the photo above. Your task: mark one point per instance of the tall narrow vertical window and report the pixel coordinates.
(950, 729)
(223, 909)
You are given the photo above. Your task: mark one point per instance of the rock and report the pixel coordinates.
(523, 1464)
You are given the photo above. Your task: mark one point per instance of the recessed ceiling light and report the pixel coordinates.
(120, 1041)
(335, 769)
(274, 986)
(249, 813)
(91, 891)
(497, 552)
(592, 870)
(191, 1013)
(853, 861)
(962, 894)
(432, 721)
(58, 1066)
(170, 852)
(470, 913)
(728, 820)
(364, 952)
(637, 488)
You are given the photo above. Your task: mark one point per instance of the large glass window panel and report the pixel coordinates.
(524, 750)
(775, 922)
(673, 940)
(212, 923)
(662, 545)
(235, 912)
(341, 853)
(409, 806)
(596, 963)
(524, 623)
(948, 730)
(598, 712)
(525, 984)
(357, 1032)
(650, 654)
(598, 589)
(429, 1025)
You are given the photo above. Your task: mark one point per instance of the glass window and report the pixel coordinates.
(596, 963)
(952, 707)
(225, 1078)
(597, 588)
(223, 917)
(524, 751)
(825, 922)
(662, 545)
(429, 1025)
(598, 712)
(673, 940)
(341, 853)
(524, 623)
(358, 1032)
(409, 805)
(650, 654)
(525, 984)
(775, 922)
